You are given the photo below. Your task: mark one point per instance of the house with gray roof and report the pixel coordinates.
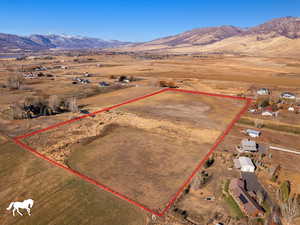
(263, 91)
(247, 145)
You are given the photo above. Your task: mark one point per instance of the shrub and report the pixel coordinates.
(209, 163)
(285, 190)
(264, 103)
(132, 78)
(172, 84)
(163, 83)
(122, 78)
(200, 180)
(169, 84)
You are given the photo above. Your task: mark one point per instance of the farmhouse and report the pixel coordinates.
(253, 133)
(30, 75)
(288, 95)
(291, 108)
(263, 91)
(247, 145)
(103, 84)
(269, 112)
(252, 110)
(244, 200)
(40, 68)
(245, 164)
(86, 74)
(80, 80)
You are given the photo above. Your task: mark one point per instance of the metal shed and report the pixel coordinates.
(245, 164)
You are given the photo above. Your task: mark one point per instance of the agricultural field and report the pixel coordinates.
(60, 198)
(136, 148)
(144, 150)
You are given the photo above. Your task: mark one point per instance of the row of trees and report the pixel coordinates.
(33, 107)
(289, 203)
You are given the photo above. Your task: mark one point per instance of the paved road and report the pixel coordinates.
(285, 150)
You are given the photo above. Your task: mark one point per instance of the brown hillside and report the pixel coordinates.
(278, 37)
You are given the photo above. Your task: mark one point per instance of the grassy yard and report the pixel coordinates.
(234, 208)
(232, 205)
(60, 198)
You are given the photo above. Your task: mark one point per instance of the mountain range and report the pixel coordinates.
(277, 37)
(37, 42)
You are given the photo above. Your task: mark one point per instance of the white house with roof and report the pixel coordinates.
(288, 95)
(253, 133)
(245, 164)
(267, 113)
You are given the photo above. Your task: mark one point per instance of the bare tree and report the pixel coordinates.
(290, 210)
(72, 104)
(15, 81)
(259, 123)
(54, 103)
(29, 100)
(289, 205)
(199, 180)
(17, 111)
(260, 197)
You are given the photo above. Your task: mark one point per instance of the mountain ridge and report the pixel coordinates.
(277, 36)
(39, 42)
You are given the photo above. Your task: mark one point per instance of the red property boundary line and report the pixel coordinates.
(18, 141)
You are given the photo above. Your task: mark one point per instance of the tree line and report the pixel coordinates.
(33, 107)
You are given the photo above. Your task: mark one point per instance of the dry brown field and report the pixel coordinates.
(144, 150)
(59, 197)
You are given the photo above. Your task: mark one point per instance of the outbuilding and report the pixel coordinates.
(268, 113)
(247, 145)
(253, 133)
(103, 84)
(245, 164)
(263, 91)
(288, 95)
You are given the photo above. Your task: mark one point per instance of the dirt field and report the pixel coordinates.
(200, 111)
(139, 164)
(224, 74)
(136, 149)
(60, 198)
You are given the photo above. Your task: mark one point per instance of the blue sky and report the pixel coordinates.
(132, 20)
